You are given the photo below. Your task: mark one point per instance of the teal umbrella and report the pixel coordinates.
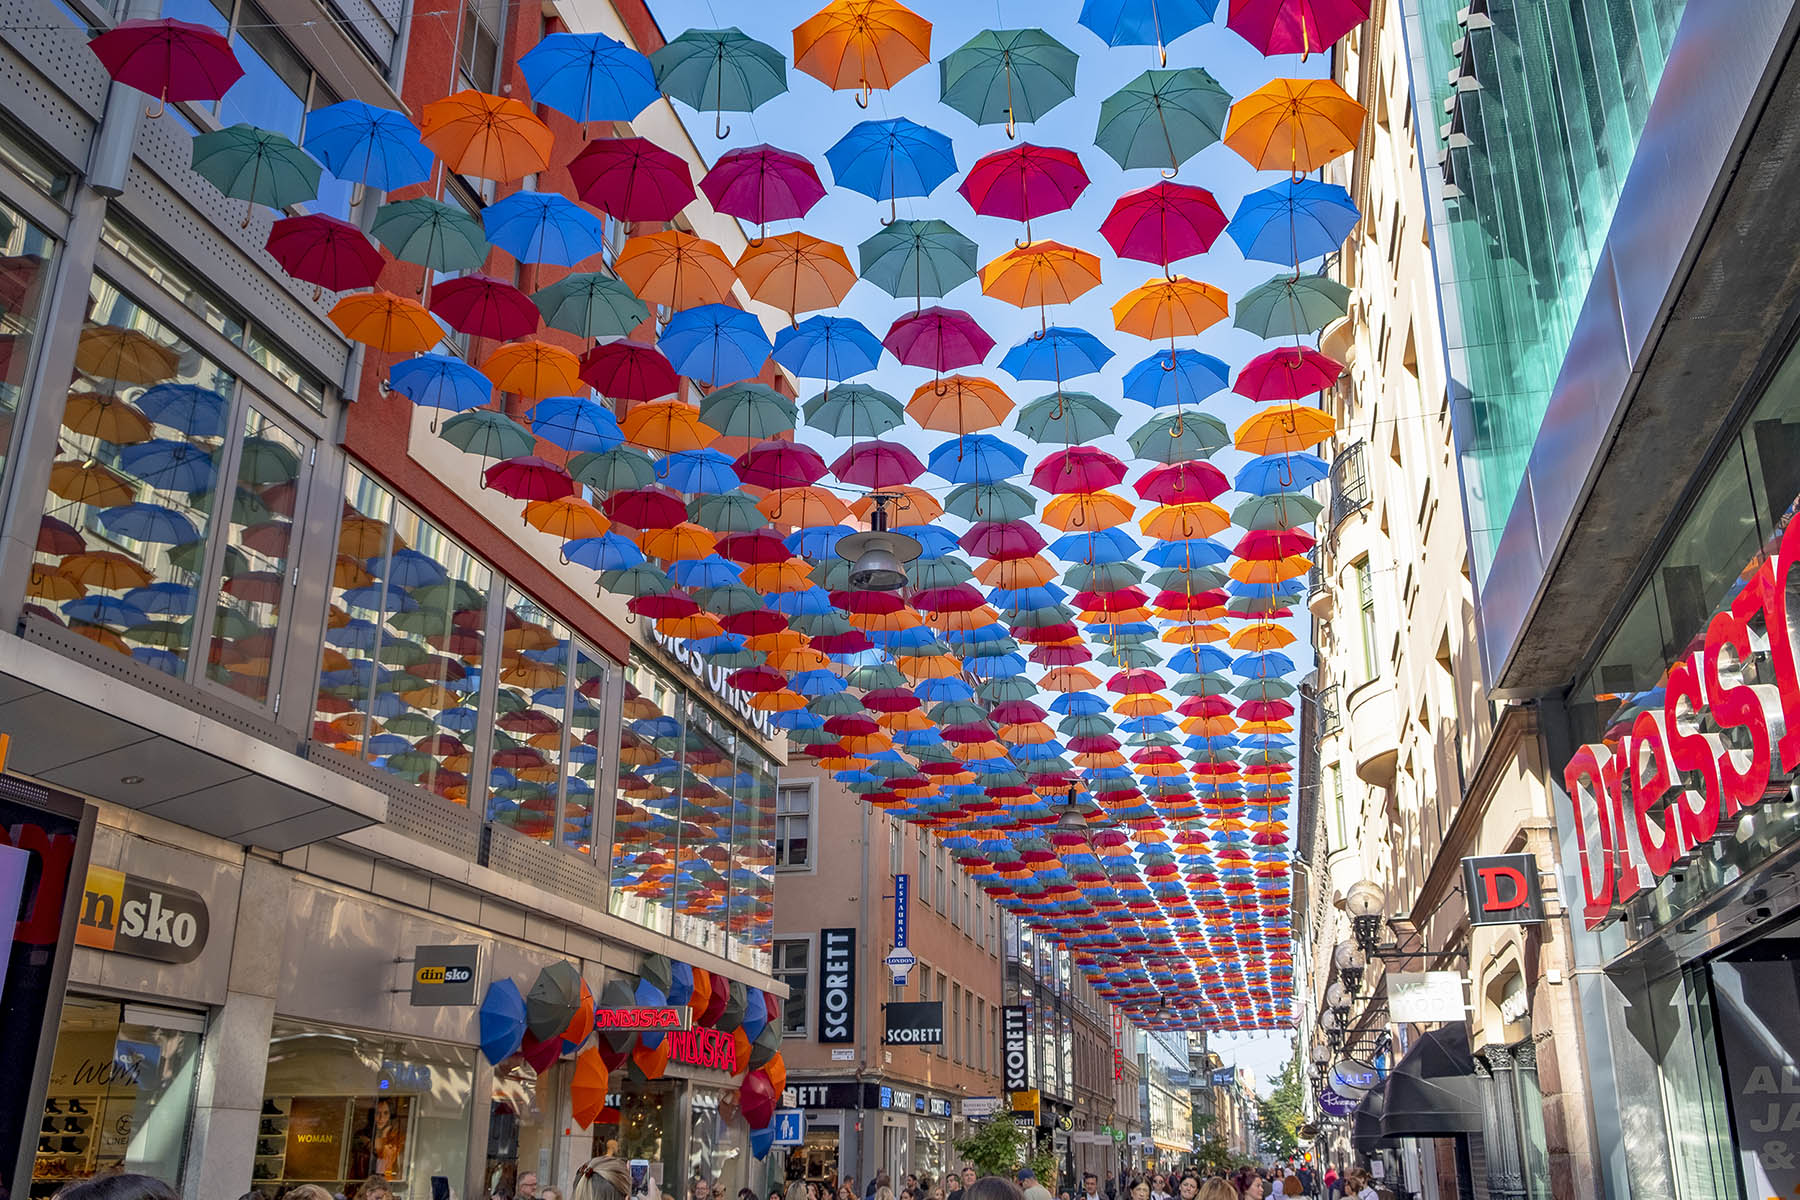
(430, 233)
(1283, 510)
(991, 502)
(257, 165)
(1068, 418)
(747, 410)
(1004, 76)
(620, 469)
(1180, 437)
(944, 572)
(263, 461)
(1103, 577)
(1292, 305)
(1162, 118)
(854, 410)
(591, 305)
(636, 581)
(721, 71)
(918, 258)
(726, 512)
(488, 433)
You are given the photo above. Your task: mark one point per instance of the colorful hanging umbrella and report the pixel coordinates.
(1145, 22)
(763, 184)
(959, 404)
(796, 273)
(502, 1020)
(1179, 438)
(1056, 353)
(666, 425)
(1169, 308)
(440, 381)
(386, 322)
(1022, 182)
(168, 59)
(862, 45)
(1071, 418)
(892, 158)
(628, 370)
(853, 411)
(1283, 429)
(675, 269)
(1163, 223)
(632, 179)
(1162, 118)
(543, 227)
(485, 307)
(257, 165)
(589, 77)
(377, 147)
(723, 70)
(939, 338)
(825, 347)
(1005, 76)
(1289, 373)
(1295, 26)
(491, 137)
(576, 423)
(1292, 305)
(328, 253)
(747, 410)
(591, 305)
(877, 465)
(1041, 273)
(1294, 125)
(918, 259)
(715, 344)
(533, 369)
(430, 233)
(1169, 379)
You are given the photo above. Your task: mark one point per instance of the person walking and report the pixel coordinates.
(1030, 1187)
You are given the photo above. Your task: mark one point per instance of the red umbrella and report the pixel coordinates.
(671, 604)
(256, 587)
(867, 603)
(632, 179)
(1183, 483)
(330, 254)
(1265, 710)
(1163, 223)
(1120, 600)
(59, 537)
(1204, 706)
(629, 371)
(1002, 541)
(646, 508)
(1061, 656)
(940, 338)
(755, 622)
(850, 724)
(1191, 601)
(269, 538)
(1024, 181)
(960, 598)
(891, 700)
(757, 679)
(528, 478)
(1136, 682)
(1077, 469)
(877, 464)
(485, 307)
(763, 184)
(1273, 545)
(779, 464)
(1062, 631)
(853, 642)
(757, 546)
(1295, 26)
(1290, 373)
(169, 59)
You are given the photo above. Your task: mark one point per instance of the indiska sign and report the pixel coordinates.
(704, 1048)
(1648, 795)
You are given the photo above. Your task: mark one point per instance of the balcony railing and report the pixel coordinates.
(1349, 483)
(1330, 717)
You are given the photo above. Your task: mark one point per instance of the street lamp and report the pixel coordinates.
(1339, 1000)
(879, 557)
(1364, 902)
(1349, 962)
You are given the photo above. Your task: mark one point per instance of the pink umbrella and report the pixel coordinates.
(169, 59)
(646, 508)
(959, 598)
(1015, 712)
(1002, 541)
(877, 464)
(1118, 600)
(1183, 483)
(1163, 223)
(940, 338)
(757, 679)
(853, 642)
(758, 546)
(485, 307)
(1024, 181)
(529, 478)
(629, 370)
(1290, 373)
(1273, 545)
(328, 253)
(890, 700)
(868, 603)
(632, 178)
(1077, 469)
(779, 464)
(1062, 631)
(763, 184)
(1295, 26)
(1204, 706)
(1098, 743)
(1136, 682)
(670, 604)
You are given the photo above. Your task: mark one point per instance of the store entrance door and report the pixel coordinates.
(895, 1145)
(1756, 1001)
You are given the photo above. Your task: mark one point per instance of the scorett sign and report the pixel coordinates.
(837, 986)
(914, 1023)
(1015, 1048)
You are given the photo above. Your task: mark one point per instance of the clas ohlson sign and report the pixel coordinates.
(713, 678)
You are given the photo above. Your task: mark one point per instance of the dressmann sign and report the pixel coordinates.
(736, 699)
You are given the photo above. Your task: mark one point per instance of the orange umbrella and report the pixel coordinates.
(1088, 510)
(125, 355)
(386, 322)
(686, 540)
(49, 583)
(860, 45)
(1294, 125)
(533, 369)
(789, 576)
(1247, 570)
(90, 483)
(1177, 522)
(694, 625)
(1039, 273)
(568, 518)
(1069, 679)
(667, 425)
(492, 137)
(1169, 308)
(802, 507)
(1191, 635)
(1145, 705)
(105, 569)
(587, 1089)
(798, 658)
(1015, 573)
(1283, 429)
(675, 269)
(915, 506)
(796, 272)
(1261, 635)
(105, 417)
(959, 404)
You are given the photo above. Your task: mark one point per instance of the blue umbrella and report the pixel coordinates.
(892, 158)
(1262, 666)
(440, 381)
(818, 541)
(1009, 599)
(1293, 221)
(1144, 22)
(699, 472)
(1189, 552)
(543, 227)
(194, 410)
(1171, 377)
(166, 661)
(1195, 660)
(364, 144)
(104, 610)
(502, 1020)
(576, 423)
(936, 540)
(709, 572)
(589, 77)
(715, 344)
(817, 682)
(372, 597)
(149, 523)
(409, 568)
(1095, 546)
(163, 599)
(170, 465)
(359, 633)
(1057, 353)
(1281, 473)
(976, 458)
(822, 347)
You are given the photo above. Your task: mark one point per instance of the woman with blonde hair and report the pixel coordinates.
(606, 1178)
(1217, 1188)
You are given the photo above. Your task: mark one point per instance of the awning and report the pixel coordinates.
(1365, 1126)
(1431, 1091)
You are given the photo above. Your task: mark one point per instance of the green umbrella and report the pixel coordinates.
(1004, 76)
(1176, 579)
(1283, 510)
(1068, 418)
(1180, 437)
(957, 712)
(1291, 305)
(410, 762)
(621, 469)
(747, 410)
(991, 502)
(258, 165)
(402, 652)
(721, 71)
(232, 625)
(641, 580)
(1103, 577)
(1162, 118)
(449, 595)
(167, 634)
(591, 305)
(264, 461)
(832, 574)
(854, 410)
(411, 724)
(918, 258)
(836, 705)
(430, 233)
(488, 433)
(1130, 657)
(730, 600)
(726, 512)
(733, 659)
(1013, 687)
(247, 508)
(825, 624)
(944, 572)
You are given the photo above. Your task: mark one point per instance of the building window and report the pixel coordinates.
(922, 881)
(793, 826)
(478, 50)
(792, 962)
(1341, 818)
(1365, 599)
(956, 1049)
(938, 868)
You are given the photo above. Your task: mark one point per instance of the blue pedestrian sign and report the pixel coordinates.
(790, 1126)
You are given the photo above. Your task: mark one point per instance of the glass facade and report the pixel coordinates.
(27, 258)
(1535, 110)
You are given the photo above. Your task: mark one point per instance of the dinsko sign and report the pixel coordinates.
(1649, 794)
(124, 914)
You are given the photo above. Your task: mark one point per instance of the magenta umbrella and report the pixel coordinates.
(529, 478)
(1138, 681)
(485, 307)
(1295, 26)
(1183, 483)
(632, 178)
(940, 338)
(1164, 223)
(169, 59)
(877, 464)
(330, 254)
(1002, 541)
(1290, 373)
(1271, 545)
(1077, 469)
(1023, 182)
(779, 464)
(756, 546)
(763, 184)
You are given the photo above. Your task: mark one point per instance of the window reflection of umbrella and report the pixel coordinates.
(123, 355)
(106, 418)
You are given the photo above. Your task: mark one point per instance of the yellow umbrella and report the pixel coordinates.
(1176, 522)
(1169, 308)
(667, 425)
(860, 45)
(1194, 634)
(533, 369)
(1039, 273)
(90, 483)
(49, 583)
(675, 269)
(959, 404)
(796, 272)
(386, 322)
(1088, 510)
(778, 577)
(1294, 125)
(125, 355)
(1284, 428)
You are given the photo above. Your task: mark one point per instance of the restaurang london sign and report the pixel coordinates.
(1651, 792)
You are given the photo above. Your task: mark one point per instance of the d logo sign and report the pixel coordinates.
(1503, 889)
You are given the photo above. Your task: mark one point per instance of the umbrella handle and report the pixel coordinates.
(720, 130)
(863, 94)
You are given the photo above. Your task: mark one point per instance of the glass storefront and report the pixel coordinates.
(27, 257)
(121, 1094)
(930, 1145)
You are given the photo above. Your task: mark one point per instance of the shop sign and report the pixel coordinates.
(1648, 795)
(1353, 1078)
(1424, 996)
(1015, 1048)
(837, 985)
(914, 1023)
(444, 976)
(902, 1100)
(839, 1054)
(977, 1107)
(1118, 1044)
(937, 1108)
(124, 914)
(713, 677)
(639, 1016)
(826, 1095)
(887, 1097)
(918, 1104)
(1503, 889)
(704, 1048)
(1222, 1077)
(790, 1126)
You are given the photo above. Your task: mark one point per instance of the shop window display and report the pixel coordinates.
(521, 1125)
